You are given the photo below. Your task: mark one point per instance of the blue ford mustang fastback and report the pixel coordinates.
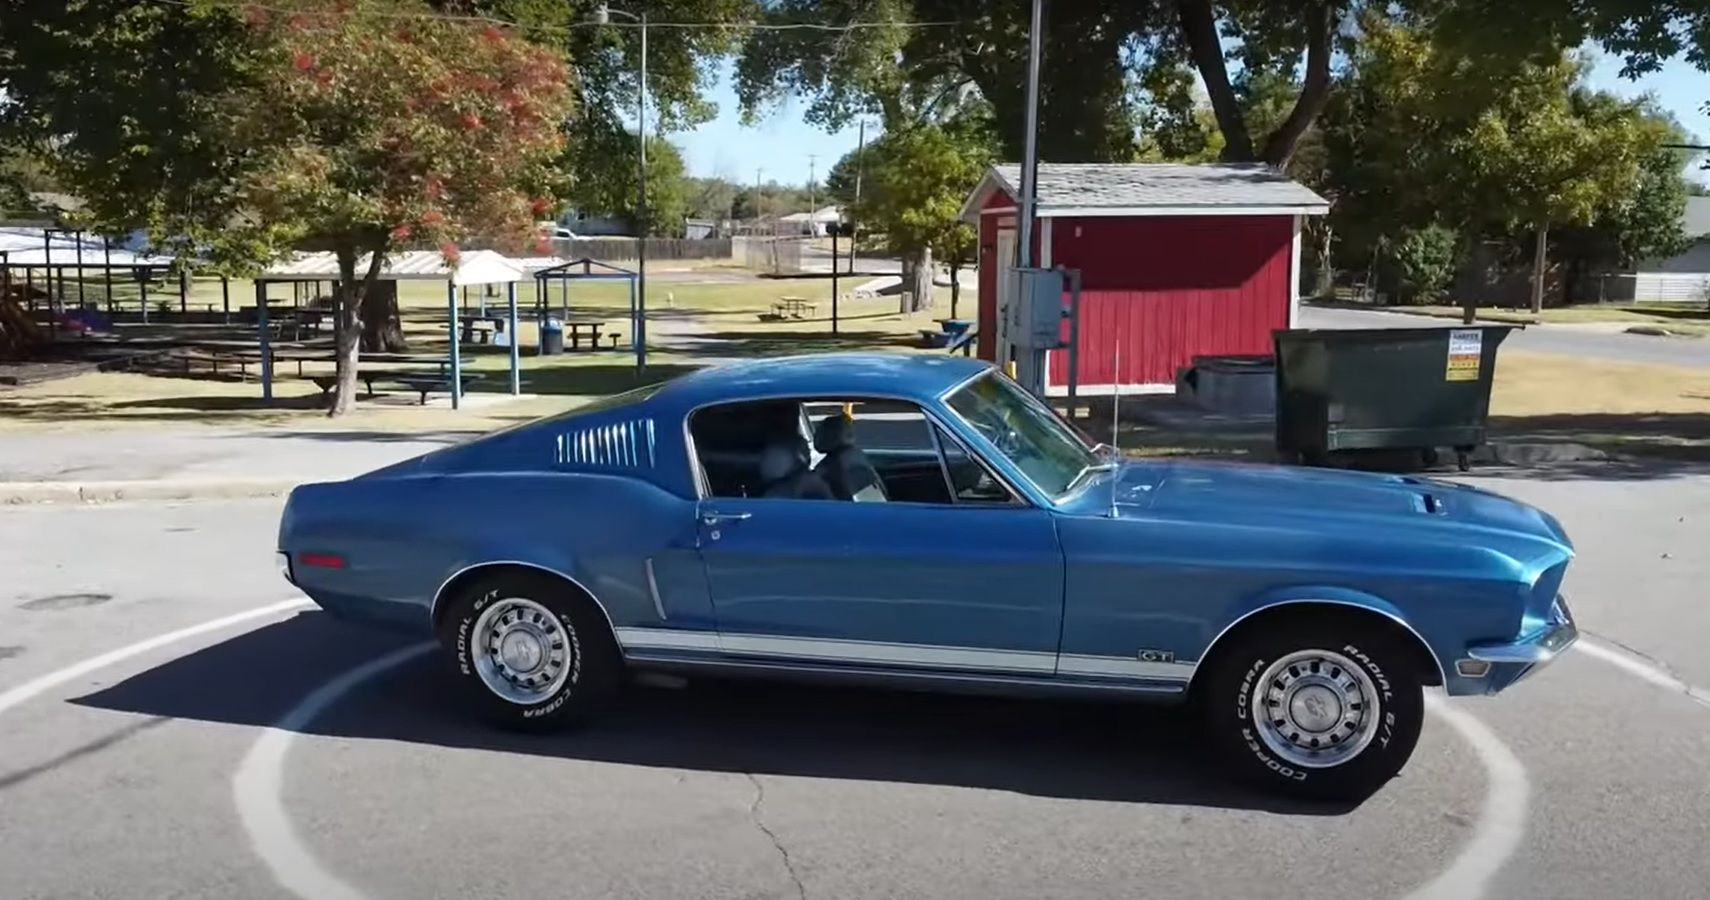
(924, 522)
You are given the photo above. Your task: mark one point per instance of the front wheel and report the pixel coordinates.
(1316, 709)
(531, 653)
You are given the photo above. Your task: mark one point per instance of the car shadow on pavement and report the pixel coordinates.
(1114, 752)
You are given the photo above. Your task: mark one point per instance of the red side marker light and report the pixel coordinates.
(321, 560)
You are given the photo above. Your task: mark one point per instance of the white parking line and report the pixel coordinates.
(257, 784)
(1633, 665)
(1501, 824)
(51, 680)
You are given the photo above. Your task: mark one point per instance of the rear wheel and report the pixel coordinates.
(1320, 708)
(532, 653)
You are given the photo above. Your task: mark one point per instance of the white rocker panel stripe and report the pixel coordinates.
(875, 652)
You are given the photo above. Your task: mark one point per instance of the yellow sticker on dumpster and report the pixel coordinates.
(1466, 348)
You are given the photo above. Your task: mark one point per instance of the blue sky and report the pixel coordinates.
(781, 145)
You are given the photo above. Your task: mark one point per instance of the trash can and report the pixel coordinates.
(1384, 389)
(551, 337)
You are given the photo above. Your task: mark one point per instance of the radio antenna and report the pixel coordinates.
(1115, 402)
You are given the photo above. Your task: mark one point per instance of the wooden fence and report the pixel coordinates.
(617, 248)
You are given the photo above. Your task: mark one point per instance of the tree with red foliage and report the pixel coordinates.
(380, 130)
(351, 126)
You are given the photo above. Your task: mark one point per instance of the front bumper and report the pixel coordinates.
(1512, 661)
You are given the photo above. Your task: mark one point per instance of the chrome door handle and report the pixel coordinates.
(713, 518)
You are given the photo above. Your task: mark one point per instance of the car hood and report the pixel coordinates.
(1333, 499)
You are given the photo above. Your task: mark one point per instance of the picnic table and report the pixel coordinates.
(421, 381)
(590, 329)
(794, 307)
(479, 329)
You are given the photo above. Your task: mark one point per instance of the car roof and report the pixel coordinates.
(913, 376)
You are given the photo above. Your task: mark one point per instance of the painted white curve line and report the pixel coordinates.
(1635, 666)
(41, 685)
(257, 786)
(1501, 824)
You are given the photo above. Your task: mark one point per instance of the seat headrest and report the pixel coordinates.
(782, 459)
(833, 433)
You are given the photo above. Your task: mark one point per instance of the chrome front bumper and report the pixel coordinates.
(1489, 668)
(1537, 648)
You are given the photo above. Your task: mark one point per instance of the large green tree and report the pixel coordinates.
(914, 181)
(1111, 63)
(607, 172)
(354, 127)
(1423, 132)
(682, 65)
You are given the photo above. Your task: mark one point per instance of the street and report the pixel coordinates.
(1563, 339)
(140, 763)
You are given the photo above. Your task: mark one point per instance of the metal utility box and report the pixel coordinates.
(1038, 309)
(1384, 389)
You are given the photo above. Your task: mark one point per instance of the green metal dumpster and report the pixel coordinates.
(1384, 389)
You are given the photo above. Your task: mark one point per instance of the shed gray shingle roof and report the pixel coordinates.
(1120, 185)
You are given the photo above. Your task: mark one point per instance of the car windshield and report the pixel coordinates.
(1026, 431)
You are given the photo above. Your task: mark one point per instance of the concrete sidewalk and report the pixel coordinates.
(71, 467)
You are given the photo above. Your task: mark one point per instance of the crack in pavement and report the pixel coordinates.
(1670, 677)
(754, 816)
(22, 775)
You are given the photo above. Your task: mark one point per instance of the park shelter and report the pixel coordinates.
(1176, 261)
(476, 267)
(52, 253)
(587, 269)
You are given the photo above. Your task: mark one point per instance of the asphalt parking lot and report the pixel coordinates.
(173, 726)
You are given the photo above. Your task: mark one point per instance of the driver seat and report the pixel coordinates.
(784, 473)
(845, 468)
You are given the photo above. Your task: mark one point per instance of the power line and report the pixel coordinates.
(506, 23)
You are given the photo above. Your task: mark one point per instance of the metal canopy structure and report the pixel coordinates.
(54, 250)
(589, 269)
(477, 267)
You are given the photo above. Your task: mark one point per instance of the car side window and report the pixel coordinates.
(733, 439)
(970, 480)
(863, 450)
(872, 450)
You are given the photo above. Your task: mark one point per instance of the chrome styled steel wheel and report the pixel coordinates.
(522, 651)
(1316, 708)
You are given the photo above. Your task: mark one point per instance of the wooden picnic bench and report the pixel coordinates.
(479, 329)
(420, 381)
(794, 307)
(575, 331)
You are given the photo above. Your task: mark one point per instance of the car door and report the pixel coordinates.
(929, 585)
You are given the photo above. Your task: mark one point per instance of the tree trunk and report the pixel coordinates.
(347, 333)
(347, 317)
(1324, 280)
(1199, 27)
(1314, 91)
(382, 330)
(955, 287)
(1539, 263)
(920, 283)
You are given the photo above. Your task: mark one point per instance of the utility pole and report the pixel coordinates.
(757, 197)
(1032, 370)
(602, 16)
(811, 205)
(860, 162)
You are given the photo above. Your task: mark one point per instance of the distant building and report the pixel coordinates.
(818, 223)
(581, 225)
(1684, 276)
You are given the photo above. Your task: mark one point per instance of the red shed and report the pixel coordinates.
(1176, 261)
